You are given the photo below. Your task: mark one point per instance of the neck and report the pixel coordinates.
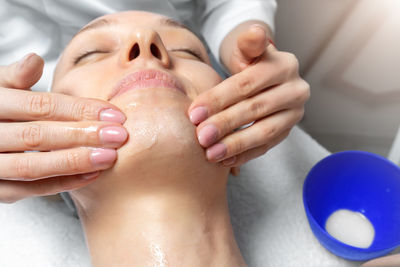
(164, 228)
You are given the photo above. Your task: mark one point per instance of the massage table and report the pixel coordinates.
(266, 210)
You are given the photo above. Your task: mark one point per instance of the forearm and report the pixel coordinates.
(230, 41)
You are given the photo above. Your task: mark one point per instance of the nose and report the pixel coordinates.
(146, 44)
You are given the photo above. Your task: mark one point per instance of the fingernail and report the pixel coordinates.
(216, 152)
(23, 60)
(207, 135)
(113, 135)
(112, 115)
(90, 175)
(257, 27)
(103, 156)
(198, 115)
(229, 161)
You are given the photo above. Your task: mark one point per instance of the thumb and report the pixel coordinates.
(22, 74)
(252, 42)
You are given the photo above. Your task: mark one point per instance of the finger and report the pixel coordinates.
(26, 106)
(388, 261)
(22, 74)
(260, 133)
(252, 42)
(12, 191)
(264, 74)
(235, 171)
(285, 96)
(253, 153)
(38, 165)
(49, 135)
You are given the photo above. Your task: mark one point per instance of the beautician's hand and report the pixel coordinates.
(77, 136)
(387, 261)
(265, 88)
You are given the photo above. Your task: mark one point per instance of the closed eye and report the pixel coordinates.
(189, 51)
(77, 59)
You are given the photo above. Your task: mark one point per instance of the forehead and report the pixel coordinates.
(138, 18)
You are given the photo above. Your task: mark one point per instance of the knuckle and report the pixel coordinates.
(84, 111)
(89, 136)
(297, 116)
(300, 114)
(73, 161)
(258, 108)
(269, 132)
(245, 85)
(216, 102)
(238, 147)
(85, 133)
(32, 136)
(306, 91)
(301, 93)
(23, 168)
(41, 105)
(291, 59)
(224, 124)
(291, 65)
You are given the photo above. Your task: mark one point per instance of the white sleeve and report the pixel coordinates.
(219, 17)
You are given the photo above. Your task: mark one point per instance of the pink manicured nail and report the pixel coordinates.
(103, 156)
(229, 161)
(216, 152)
(113, 135)
(112, 115)
(198, 115)
(208, 135)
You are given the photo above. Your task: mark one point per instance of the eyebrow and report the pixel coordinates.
(173, 23)
(100, 23)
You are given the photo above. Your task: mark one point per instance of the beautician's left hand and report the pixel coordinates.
(265, 88)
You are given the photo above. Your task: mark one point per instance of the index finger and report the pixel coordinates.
(21, 105)
(249, 82)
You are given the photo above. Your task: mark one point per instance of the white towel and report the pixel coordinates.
(266, 209)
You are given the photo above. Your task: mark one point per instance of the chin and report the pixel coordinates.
(157, 123)
(162, 153)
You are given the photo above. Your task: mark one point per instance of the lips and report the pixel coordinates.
(149, 78)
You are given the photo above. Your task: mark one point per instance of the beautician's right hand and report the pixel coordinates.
(75, 138)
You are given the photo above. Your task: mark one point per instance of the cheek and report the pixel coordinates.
(199, 76)
(93, 81)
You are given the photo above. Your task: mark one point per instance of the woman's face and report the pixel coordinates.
(111, 47)
(151, 68)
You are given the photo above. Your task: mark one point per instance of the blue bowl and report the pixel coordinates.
(361, 182)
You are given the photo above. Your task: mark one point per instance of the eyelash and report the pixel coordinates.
(189, 51)
(90, 52)
(85, 54)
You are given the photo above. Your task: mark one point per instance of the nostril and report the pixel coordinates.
(155, 51)
(134, 53)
